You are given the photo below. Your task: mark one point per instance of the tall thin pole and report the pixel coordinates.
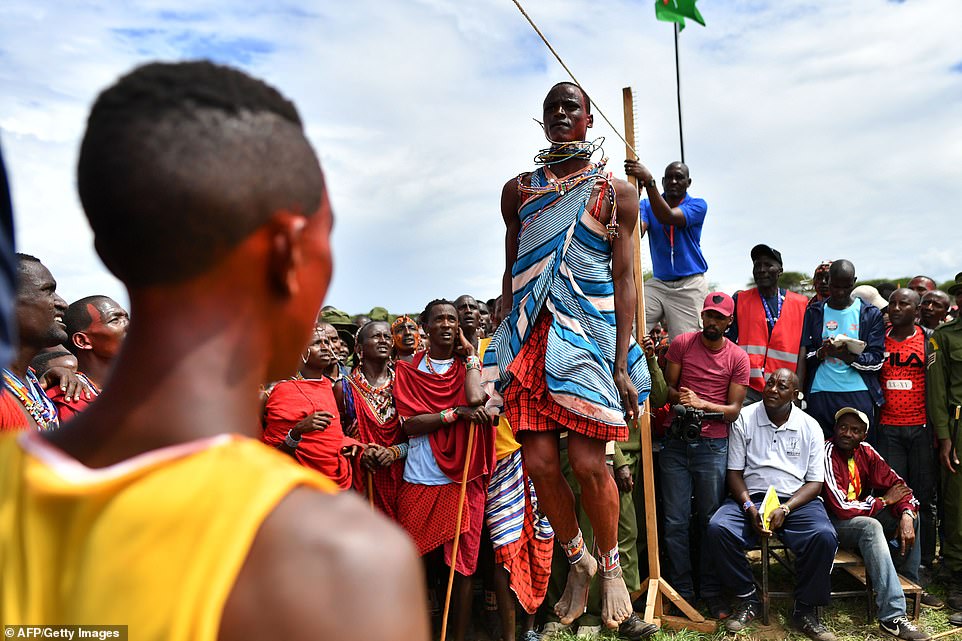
(681, 135)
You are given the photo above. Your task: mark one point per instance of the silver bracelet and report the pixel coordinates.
(290, 441)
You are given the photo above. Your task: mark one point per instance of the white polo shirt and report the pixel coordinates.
(785, 457)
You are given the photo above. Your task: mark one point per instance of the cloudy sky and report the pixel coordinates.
(826, 129)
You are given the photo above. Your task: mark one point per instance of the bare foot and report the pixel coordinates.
(573, 602)
(615, 600)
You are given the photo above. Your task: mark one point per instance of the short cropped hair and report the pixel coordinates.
(425, 316)
(181, 162)
(22, 261)
(78, 319)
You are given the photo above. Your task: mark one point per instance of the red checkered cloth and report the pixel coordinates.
(428, 513)
(528, 403)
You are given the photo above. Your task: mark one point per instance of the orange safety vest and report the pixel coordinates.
(767, 354)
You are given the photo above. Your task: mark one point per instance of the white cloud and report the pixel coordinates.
(823, 129)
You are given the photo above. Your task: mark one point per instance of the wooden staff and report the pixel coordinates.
(370, 487)
(656, 586)
(457, 532)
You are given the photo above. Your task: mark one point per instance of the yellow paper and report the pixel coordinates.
(769, 505)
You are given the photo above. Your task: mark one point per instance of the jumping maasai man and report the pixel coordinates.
(439, 399)
(563, 357)
(377, 422)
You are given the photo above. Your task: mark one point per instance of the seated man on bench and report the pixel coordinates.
(853, 471)
(774, 443)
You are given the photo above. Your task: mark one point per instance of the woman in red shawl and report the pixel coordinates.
(439, 399)
(382, 463)
(300, 417)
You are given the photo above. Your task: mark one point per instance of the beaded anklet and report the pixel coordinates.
(575, 548)
(609, 563)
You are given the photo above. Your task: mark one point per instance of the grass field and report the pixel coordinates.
(845, 617)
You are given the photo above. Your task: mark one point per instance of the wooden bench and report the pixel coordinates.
(911, 590)
(845, 560)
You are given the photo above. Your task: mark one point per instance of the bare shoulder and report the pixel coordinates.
(327, 567)
(510, 196)
(625, 190)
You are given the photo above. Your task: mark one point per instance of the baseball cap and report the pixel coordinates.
(870, 295)
(851, 410)
(719, 302)
(759, 251)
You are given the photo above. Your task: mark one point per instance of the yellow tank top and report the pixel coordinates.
(154, 543)
(504, 442)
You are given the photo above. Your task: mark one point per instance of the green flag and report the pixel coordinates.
(677, 11)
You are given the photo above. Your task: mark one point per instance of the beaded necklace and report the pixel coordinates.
(559, 152)
(31, 395)
(430, 366)
(561, 186)
(380, 399)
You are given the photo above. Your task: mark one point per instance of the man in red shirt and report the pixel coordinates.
(854, 472)
(708, 372)
(904, 437)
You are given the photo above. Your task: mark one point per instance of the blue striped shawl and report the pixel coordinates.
(564, 264)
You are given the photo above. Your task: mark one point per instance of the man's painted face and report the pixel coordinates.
(566, 117)
(107, 329)
(407, 336)
(40, 309)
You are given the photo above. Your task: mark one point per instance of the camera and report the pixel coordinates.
(688, 421)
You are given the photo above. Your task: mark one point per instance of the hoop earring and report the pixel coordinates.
(304, 356)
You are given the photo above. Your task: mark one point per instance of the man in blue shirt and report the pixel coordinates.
(835, 376)
(675, 294)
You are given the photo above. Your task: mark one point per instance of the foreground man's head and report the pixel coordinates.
(186, 167)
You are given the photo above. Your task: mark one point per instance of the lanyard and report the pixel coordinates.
(670, 233)
(768, 310)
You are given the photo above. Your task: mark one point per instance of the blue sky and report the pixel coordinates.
(825, 129)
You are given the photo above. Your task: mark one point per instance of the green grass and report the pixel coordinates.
(845, 617)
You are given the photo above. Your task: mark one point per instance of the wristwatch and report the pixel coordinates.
(651, 183)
